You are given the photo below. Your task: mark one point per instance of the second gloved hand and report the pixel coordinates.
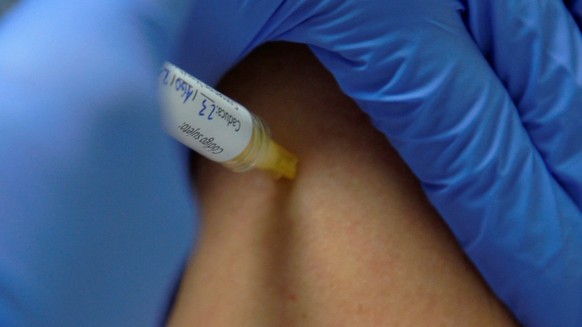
(481, 99)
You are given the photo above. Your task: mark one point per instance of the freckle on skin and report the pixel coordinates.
(292, 297)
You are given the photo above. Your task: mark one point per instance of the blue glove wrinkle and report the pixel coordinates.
(575, 7)
(536, 50)
(429, 88)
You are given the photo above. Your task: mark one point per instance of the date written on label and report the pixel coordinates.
(207, 107)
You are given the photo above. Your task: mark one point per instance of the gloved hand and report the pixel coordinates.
(479, 98)
(96, 218)
(482, 99)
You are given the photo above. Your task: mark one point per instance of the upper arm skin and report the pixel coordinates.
(351, 241)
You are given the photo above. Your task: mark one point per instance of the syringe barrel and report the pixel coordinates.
(217, 127)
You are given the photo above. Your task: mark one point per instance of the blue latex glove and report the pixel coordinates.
(479, 98)
(96, 219)
(482, 99)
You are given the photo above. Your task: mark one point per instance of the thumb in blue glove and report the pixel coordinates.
(97, 216)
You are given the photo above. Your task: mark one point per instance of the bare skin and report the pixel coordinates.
(351, 241)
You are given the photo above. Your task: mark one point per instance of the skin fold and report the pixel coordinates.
(352, 241)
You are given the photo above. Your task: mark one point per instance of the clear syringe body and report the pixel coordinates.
(217, 127)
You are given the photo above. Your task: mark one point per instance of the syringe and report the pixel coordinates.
(217, 127)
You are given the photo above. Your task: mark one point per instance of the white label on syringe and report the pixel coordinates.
(201, 117)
